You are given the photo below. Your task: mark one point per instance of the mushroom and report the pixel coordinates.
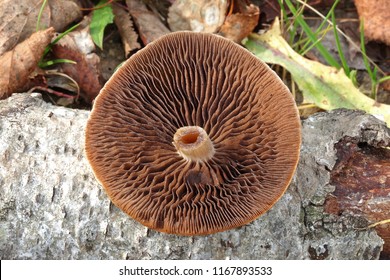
(194, 135)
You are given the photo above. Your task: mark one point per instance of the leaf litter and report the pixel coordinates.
(18, 20)
(18, 64)
(22, 47)
(139, 24)
(325, 86)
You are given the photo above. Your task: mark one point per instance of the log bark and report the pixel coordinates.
(51, 206)
(361, 178)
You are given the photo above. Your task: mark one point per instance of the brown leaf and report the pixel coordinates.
(125, 27)
(160, 7)
(18, 19)
(63, 13)
(149, 26)
(239, 25)
(386, 85)
(19, 63)
(376, 16)
(79, 47)
(270, 9)
(198, 15)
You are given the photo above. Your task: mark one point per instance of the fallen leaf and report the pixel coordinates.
(239, 25)
(125, 27)
(376, 17)
(18, 19)
(198, 15)
(61, 81)
(325, 86)
(79, 47)
(63, 13)
(386, 85)
(19, 63)
(270, 9)
(149, 26)
(159, 7)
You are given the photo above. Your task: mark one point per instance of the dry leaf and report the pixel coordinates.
(149, 26)
(79, 47)
(125, 27)
(376, 16)
(198, 15)
(19, 63)
(159, 7)
(269, 10)
(239, 25)
(386, 85)
(18, 19)
(63, 13)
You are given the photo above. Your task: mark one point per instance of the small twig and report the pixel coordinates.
(49, 72)
(48, 90)
(306, 106)
(375, 224)
(293, 89)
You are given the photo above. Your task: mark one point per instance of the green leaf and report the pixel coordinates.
(322, 85)
(100, 19)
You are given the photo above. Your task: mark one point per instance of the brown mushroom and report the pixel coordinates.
(194, 135)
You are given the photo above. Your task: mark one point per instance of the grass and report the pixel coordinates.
(372, 73)
(43, 64)
(308, 39)
(38, 26)
(311, 35)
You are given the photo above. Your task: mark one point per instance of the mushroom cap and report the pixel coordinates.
(195, 80)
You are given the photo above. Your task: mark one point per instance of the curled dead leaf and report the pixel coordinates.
(18, 19)
(19, 63)
(63, 13)
(149, 25)
(125, 27)
(79, 47)
(239, 25)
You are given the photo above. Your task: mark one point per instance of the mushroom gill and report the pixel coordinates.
(194, 135)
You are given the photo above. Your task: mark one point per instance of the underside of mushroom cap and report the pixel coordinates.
(249, 135)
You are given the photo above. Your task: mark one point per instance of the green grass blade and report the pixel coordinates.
(48, 63)
(324, 21)
(324, 52)
(49, 47)
(384, 79)
(363, 48)
(313, 44)
(40, 15)
(346, 68)
(322, 85)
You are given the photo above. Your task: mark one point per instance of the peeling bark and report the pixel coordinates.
(362, 184)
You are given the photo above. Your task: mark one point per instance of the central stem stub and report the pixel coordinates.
(193, 144)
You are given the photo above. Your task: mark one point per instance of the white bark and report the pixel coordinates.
(51, 206)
